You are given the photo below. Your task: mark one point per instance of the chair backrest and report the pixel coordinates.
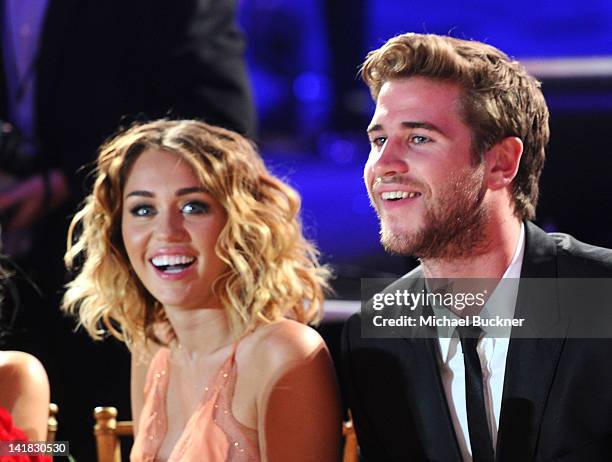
(350, 452)
(107, 431)
(52, 422)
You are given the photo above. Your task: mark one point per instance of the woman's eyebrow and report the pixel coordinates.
(191, 190)
(140, 193)
(180, 192)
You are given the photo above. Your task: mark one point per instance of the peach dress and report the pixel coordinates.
(212, 433)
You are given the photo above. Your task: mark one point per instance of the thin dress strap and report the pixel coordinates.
(212, 433)
(244, 446)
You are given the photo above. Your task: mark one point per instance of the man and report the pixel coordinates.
(72, 72)
(457, 148)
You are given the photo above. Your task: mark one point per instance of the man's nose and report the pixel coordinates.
(390, 160)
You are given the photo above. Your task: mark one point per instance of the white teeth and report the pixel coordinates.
(390, 195)
(170, 260)
(393, 195)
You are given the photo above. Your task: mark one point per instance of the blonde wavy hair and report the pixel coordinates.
(272, 270)
(499, 98)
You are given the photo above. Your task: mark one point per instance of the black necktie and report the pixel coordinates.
(480, 438)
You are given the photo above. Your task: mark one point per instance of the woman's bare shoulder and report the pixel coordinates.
(20, 367)
(24, 389)
(275, 349)
(295, 377)
(284, 341)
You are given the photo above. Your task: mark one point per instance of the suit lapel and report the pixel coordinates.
(431, 414)
(531, 362)
(422, 372)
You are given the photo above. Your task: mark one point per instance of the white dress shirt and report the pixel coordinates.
(492, 350)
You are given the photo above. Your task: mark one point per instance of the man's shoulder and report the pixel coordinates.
(577, 258)
(406, 282)
(562, 255)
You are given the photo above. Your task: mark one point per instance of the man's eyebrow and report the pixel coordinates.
(423, 125)
(374, 128)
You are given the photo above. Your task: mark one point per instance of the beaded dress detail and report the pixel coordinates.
(211, 434)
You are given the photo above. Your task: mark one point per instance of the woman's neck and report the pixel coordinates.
(199, 332)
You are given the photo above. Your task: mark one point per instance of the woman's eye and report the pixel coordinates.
(196, 207)
(419, 139)
(142, 210)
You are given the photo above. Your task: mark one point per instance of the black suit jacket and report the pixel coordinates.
(104, 62)
(557, 397)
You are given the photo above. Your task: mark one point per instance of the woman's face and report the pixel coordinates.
(170, 226)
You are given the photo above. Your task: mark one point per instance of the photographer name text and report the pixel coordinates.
(444, 321)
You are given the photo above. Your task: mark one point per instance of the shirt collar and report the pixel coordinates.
(497, 304)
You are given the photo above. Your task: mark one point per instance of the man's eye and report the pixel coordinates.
(196, 207)
(378, 141)
(142, 210)
(419, 139)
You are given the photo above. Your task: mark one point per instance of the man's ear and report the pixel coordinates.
(502, 162)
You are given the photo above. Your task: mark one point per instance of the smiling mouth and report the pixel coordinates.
(172, 264)
(398, 195)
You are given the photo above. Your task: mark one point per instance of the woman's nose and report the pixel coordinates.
(171, 227)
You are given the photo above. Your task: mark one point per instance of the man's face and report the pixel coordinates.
(420, 174)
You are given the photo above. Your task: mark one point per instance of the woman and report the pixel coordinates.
(24, 395)
(186, 228)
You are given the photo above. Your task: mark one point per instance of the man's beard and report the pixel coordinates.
(454, 222)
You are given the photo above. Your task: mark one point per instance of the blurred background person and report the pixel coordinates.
(71, 72)
(185, 225)
(24, 397)
(24, 387)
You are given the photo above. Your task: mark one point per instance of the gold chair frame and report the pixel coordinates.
(52, 422)
(107, 431)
